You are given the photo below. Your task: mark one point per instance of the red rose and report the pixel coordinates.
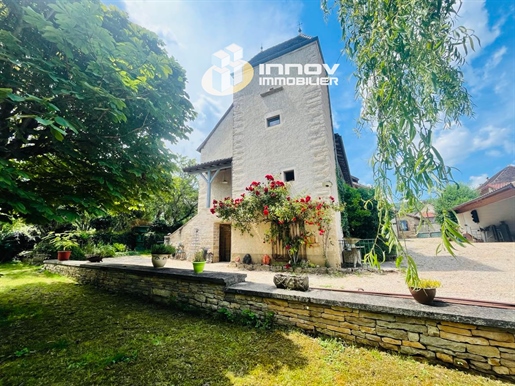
(269, 177)
(308, 198)
(265, 212)
(212, 210)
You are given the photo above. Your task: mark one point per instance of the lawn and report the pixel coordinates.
(55, 332)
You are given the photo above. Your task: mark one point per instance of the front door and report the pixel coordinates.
(225, 242)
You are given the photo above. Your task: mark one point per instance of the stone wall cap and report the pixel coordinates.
(224, 278)
(481, 316)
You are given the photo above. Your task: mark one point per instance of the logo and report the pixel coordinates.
(229, 73)
(305, 75)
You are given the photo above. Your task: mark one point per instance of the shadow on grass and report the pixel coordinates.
(65, 334)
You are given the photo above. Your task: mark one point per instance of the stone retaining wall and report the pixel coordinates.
(479, 339)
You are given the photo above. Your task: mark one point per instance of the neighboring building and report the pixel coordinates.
(285, 131)
(498, 180)
(421, 225)
(491, 216)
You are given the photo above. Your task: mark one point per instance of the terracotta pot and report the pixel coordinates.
(423, 295)
(63, 255)
(266, 260)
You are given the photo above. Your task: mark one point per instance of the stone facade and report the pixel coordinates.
(477, 339)
(302, 142)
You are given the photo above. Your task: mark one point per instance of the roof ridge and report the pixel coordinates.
(281, 49)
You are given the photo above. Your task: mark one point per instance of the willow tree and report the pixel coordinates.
(87, 99)
(407, 56)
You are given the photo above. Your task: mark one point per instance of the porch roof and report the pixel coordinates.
(218, 164)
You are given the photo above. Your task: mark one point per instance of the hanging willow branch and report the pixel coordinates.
(408, 55)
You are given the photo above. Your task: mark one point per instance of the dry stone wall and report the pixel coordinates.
(477, 339)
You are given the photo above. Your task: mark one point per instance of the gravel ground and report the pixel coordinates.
(482, 271)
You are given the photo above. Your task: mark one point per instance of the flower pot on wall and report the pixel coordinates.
(159, 261)
(63, 255)
(198, 266)
(423, 295)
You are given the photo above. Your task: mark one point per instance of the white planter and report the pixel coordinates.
(159, 261)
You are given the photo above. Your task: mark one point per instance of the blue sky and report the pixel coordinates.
(480, 147)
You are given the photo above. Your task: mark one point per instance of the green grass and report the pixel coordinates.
(54, 332)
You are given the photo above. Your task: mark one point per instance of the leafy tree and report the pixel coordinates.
(453, 195)
(87, 99)
(408, 56)
(178, 202)
(360, 211)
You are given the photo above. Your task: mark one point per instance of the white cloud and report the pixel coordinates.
(457, 144)
(193, 31)
(475, 181)
(474, 16)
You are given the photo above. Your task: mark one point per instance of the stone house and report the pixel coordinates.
(421, 225)
(283, 130)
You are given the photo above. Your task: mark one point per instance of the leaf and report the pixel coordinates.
(65, 123)
(4, 93)
(44, 122)
(57, 133)
(16, 98)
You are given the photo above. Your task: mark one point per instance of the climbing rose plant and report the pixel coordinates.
(270, 202)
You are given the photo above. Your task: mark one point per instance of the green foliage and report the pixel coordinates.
(248, 318)
(103, 250)
(408, 57)
(77, 253)
(199, 256)
(120, 247)
(452, 196)
(361, 212)
(63, 241)
(162, 249)
(87, 99)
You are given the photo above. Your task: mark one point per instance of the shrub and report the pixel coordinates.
(105, 250)
(11, 244)
(162, 249)
(120, 247)
(77, 253)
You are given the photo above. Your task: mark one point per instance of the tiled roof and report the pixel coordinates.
(281, 49)
(498, 180)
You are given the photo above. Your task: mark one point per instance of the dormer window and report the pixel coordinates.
(273, 121)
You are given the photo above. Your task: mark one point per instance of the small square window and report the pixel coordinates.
(289, 176)
(273, 121)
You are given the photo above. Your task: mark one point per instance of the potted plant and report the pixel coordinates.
(63, 243)
(161, 253)
(199, 261)
(424, 290)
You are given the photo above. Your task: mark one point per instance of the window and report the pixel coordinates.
(403, 224)
(289, 175)
(273, 121)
